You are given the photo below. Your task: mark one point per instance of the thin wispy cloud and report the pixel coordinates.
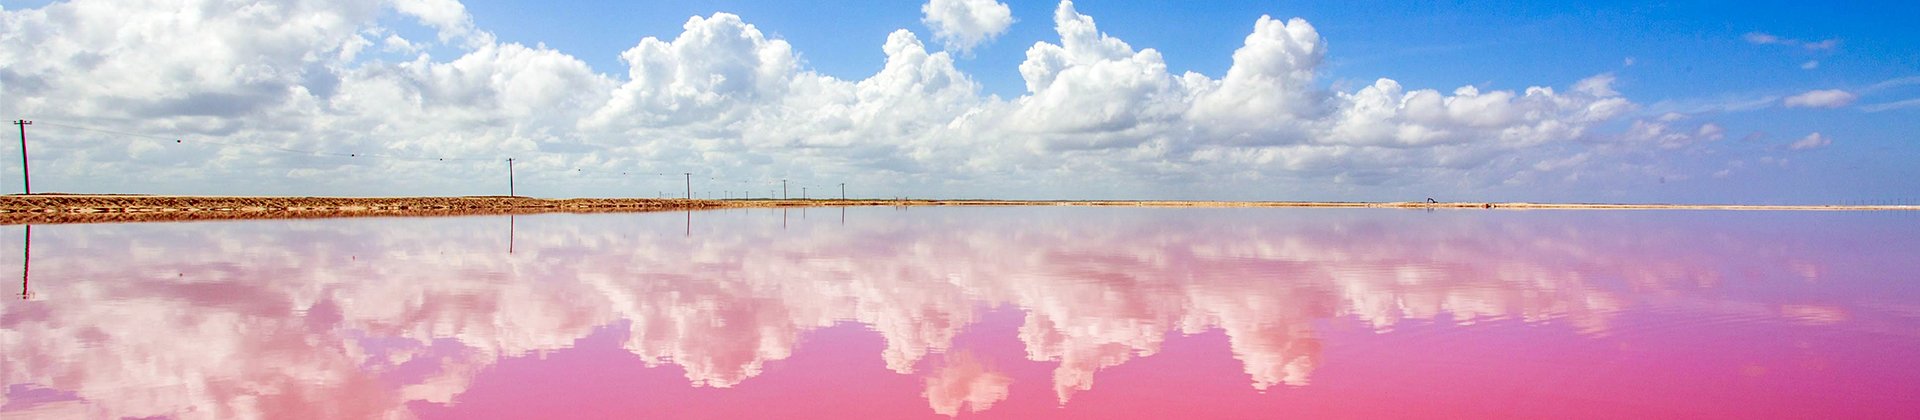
(1725, 104)
(1826, 98)
(1891, 83)
(1762, 38)
(1889, 106)
(1811, 141)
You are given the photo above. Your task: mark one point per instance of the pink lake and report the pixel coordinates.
(1018, 312)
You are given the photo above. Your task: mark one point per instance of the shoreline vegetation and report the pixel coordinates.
(106, 208)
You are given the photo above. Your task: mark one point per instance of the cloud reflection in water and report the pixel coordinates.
(356, 318)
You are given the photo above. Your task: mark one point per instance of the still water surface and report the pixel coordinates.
(974, 312)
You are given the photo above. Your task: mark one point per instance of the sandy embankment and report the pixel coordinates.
(58, 208)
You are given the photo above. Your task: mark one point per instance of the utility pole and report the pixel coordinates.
(24, 178)
(783, 189)
(803, 193)
(689, 185)
(843, 191)
(510, 192)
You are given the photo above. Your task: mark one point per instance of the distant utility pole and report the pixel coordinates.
(803, 193)
(689, 185)
(843, 191)
(510, 177)
(783, 189)
(24, 178)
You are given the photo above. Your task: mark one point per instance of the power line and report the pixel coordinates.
(200, 140)
(182, 140)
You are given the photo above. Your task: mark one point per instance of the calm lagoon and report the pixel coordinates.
(990, 312)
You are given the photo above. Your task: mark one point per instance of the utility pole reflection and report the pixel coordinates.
(509, 234)
(26, 265)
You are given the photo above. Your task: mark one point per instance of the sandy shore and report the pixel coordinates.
(57, 208)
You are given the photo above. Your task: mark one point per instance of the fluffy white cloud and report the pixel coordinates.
(145, 60)
(725, 100)
(711, 74)
(1829, 98)
(1091, 87)
(448, 16)
(1270, 89)
(964, 24)
(1811, 141)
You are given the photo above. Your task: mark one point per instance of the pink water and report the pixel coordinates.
(972, 312)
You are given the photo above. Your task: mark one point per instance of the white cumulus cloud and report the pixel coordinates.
(964, 24)
(710, 74)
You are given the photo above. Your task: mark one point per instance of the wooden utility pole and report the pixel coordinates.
(510, 192)
(25, 180)
(843, 191)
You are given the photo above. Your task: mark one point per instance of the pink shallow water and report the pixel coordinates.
(972, 312)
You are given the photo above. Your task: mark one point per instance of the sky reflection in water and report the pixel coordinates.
(1061, 312)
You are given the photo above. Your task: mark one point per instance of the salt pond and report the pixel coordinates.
(1002, 312)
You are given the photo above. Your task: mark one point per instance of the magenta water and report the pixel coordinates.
(971, 312)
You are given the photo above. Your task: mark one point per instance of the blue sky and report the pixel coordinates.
(1707, 88)
(1689, 50)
